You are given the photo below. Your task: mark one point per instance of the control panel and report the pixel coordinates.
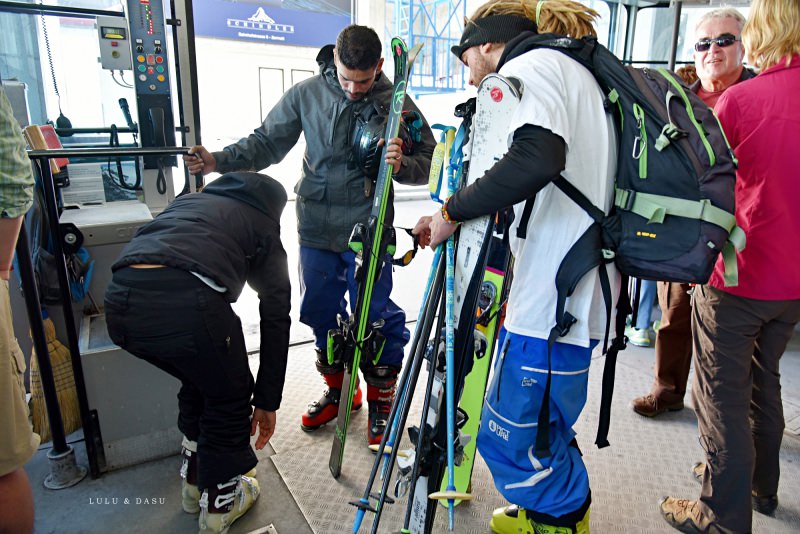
(115, 47)
(151, 77)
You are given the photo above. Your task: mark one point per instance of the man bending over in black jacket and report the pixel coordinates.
(169, 303)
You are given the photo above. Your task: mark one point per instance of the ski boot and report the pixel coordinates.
(514, 520)
(190, 493)
(226, 502)
(327, 407)
(381, 382)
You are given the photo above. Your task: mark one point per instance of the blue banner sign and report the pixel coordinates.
(310, 24)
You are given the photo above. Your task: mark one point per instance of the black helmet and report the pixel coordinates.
(367, 153)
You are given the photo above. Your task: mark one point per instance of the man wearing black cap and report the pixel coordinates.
(559, 128)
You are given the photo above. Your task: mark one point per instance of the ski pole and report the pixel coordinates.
(399, 409)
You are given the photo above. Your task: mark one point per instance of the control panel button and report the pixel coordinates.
(152, 87)
(151, 59)
(160, 78)
(140, 59)
(143, 77)
(159, 59)
(142, 68)
(160, 68)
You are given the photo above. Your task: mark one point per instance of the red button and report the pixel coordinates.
(150, 60)
(159, 59)
(114, 43)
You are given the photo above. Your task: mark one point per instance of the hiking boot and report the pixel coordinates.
(638, 336)
(224, 503)
(327, 407)
(765, 505)
(514, 520)
(650, 406)
(686, 516)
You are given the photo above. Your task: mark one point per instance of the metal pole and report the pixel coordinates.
(69, 317)
(676, 26)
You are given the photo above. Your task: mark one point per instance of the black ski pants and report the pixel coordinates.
(174, 321)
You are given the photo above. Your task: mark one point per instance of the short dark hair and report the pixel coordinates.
(358, 47)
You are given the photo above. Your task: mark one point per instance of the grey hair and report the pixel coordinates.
(721, 13)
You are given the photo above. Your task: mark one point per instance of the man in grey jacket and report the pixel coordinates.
(333, 194)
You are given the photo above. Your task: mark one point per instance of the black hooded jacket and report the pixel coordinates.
(230, 233)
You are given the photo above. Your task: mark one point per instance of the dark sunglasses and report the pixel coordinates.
(723, 41)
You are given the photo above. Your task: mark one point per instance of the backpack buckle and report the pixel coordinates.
(629, 200)
(566, 322)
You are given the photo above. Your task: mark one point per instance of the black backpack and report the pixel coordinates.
(673, 210)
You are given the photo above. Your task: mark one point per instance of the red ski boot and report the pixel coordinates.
(327, 407)
(380, 396)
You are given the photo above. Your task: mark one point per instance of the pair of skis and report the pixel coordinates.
(435, 439)
(370, 241)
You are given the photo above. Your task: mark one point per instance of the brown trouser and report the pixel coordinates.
(673, 343)
(738, 344)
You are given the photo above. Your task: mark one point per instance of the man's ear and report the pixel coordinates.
(379, 68)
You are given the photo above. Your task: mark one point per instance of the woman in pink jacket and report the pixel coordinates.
(741, 332)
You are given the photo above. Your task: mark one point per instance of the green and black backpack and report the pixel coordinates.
(673, 211)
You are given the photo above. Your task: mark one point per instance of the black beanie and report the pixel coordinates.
(492, 29)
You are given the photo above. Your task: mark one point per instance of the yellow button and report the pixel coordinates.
(140, 59)
(160, 78)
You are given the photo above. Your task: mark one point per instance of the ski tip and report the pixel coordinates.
(414, 52)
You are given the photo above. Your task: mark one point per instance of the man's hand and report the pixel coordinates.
(394, 153)
(265, 421)
(433, 230)
(200, 161)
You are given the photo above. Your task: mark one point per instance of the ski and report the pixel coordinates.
(489, 315)
(497, 100)
(386, 450)
(371, 243)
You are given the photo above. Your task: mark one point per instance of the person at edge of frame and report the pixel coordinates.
(739, 334)
(18, 442)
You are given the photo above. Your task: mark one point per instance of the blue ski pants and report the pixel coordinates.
(325, 278)
(558, 485)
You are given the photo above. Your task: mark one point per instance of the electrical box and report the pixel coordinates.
(115, 43)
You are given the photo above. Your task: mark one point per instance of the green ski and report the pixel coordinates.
(371, 242)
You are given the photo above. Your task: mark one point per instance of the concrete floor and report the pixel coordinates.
(626, 477)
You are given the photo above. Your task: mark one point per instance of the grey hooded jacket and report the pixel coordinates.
(331, 195)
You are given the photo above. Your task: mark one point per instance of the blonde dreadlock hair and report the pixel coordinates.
(564, 17)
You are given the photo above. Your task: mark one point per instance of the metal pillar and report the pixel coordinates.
(437, 24)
